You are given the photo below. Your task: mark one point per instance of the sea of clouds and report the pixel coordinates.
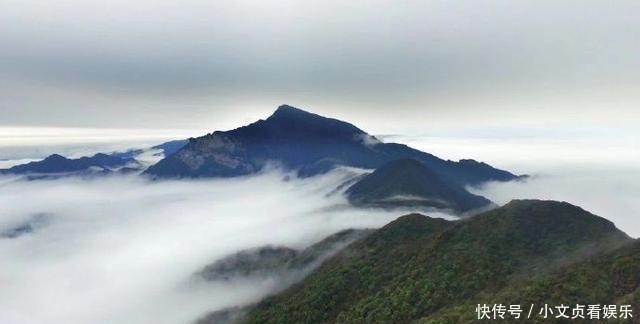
(124, 249)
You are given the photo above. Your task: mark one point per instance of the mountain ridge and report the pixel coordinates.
(428, 270)
(56, 163)
(274, 261)
(409, 183)
(309, 144)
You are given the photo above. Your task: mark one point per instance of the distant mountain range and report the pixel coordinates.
(409, 183)
(58, 164)
(309, 144)
(419, 269)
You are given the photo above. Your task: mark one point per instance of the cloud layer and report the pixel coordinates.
(194, 63)
(123, 250)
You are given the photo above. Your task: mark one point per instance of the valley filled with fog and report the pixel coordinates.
(125, 249)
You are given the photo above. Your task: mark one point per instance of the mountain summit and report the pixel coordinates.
(409, 183)
(418, 269)
(309, 143)
(296, 121)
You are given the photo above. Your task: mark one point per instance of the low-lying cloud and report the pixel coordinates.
(123, 249)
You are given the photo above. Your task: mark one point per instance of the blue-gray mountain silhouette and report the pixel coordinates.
(167, 149)
(309, 143)
(171, 147)
(409, 183)
(100, 163)
(57, 164)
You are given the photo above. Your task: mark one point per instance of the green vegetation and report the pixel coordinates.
(278, 260)
(421, 269)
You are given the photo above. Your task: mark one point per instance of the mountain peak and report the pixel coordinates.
(540, 204)
(532, 218)
(409, 183)
(306, 142)
(291, 122)
(56, 163)
(55, 157)
(286, 108)
(414, 221)
(286, 112)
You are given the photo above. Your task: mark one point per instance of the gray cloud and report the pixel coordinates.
(195, 63)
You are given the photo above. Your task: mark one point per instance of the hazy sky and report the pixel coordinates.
(548, 88)
(385, 65)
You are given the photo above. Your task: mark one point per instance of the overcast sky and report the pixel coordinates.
(383, 65)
